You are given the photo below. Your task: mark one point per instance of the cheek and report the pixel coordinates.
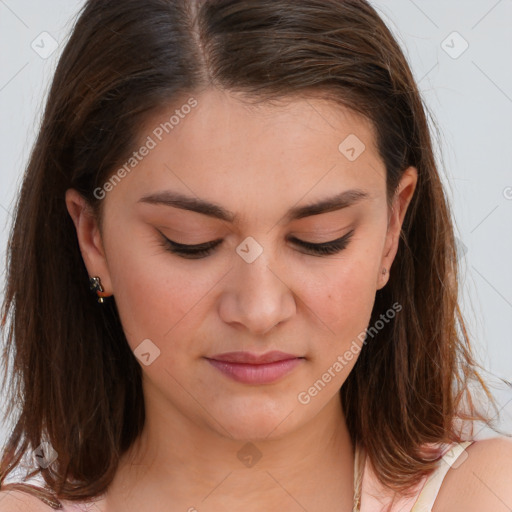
(154, 296)
(342, 294)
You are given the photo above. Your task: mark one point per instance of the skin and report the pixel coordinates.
(197, 418)
(257, 163)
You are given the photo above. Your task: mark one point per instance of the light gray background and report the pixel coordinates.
(470, 96)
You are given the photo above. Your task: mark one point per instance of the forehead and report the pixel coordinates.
(236, 153)
(223, 118)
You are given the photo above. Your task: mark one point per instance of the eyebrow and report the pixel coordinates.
(177, 200)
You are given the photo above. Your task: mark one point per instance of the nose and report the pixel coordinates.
(256, 296)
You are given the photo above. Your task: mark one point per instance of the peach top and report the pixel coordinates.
(370, 495)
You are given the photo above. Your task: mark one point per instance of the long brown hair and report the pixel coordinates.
(75, 380)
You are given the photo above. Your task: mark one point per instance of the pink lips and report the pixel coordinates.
(255, 368)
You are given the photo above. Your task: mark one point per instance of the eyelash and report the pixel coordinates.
(203, 250)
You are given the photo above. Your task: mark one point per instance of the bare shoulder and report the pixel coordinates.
(480, 480)
(18, 501)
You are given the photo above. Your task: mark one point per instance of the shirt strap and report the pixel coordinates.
(430, 490)
(359, 463)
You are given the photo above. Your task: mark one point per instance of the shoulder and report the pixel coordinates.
(18, 501)
(480, 479)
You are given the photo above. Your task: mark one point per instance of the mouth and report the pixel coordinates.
(257, 369)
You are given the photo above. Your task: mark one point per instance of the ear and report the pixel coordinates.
(403, 195)
(89, 238)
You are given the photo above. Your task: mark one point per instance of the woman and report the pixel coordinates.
(249, 190)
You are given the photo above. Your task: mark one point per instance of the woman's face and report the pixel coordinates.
(259, 290)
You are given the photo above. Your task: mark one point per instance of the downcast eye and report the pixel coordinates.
(203, 250)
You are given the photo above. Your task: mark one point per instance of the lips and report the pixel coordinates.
(251, 358)
(255, 369)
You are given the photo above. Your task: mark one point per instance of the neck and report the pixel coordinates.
(178, 461)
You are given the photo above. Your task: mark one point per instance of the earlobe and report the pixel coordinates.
(383, 278)
(89, 237)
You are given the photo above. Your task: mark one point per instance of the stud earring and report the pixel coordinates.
(384, 270)
(95, 285)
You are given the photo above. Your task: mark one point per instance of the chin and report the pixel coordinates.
(256, 420)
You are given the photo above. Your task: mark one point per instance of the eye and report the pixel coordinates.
(202, 250)
(326, 248)
(190, 251)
